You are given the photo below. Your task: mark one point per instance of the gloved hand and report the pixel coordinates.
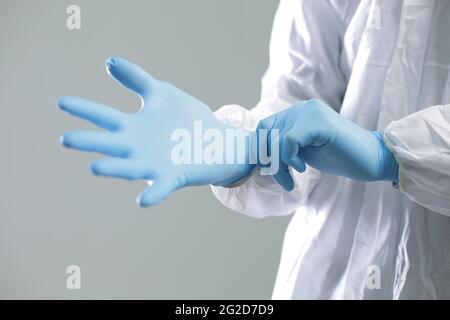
(312, 133)
(141, 143)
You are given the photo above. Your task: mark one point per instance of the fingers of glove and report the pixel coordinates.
(298, 164)
(129, 169)
(130, 75)
(284, 178)
(266, 123)
(263, 134)
(157, 192)
(290, 148)
(94, 141)
(97, 113)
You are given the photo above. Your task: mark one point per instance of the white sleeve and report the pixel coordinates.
(421, 145)
(305, 49)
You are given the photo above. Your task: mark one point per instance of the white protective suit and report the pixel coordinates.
(385, 66)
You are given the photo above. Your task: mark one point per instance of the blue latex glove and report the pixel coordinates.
(312, 133)
(140, 143)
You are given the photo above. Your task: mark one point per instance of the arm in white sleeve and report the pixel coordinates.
(421, 145)
(305, 49)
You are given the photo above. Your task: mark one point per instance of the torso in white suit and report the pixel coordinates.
(385, 66)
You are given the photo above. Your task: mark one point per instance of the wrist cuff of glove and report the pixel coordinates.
(391, 164)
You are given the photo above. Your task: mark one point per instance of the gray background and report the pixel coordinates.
(53, 213)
